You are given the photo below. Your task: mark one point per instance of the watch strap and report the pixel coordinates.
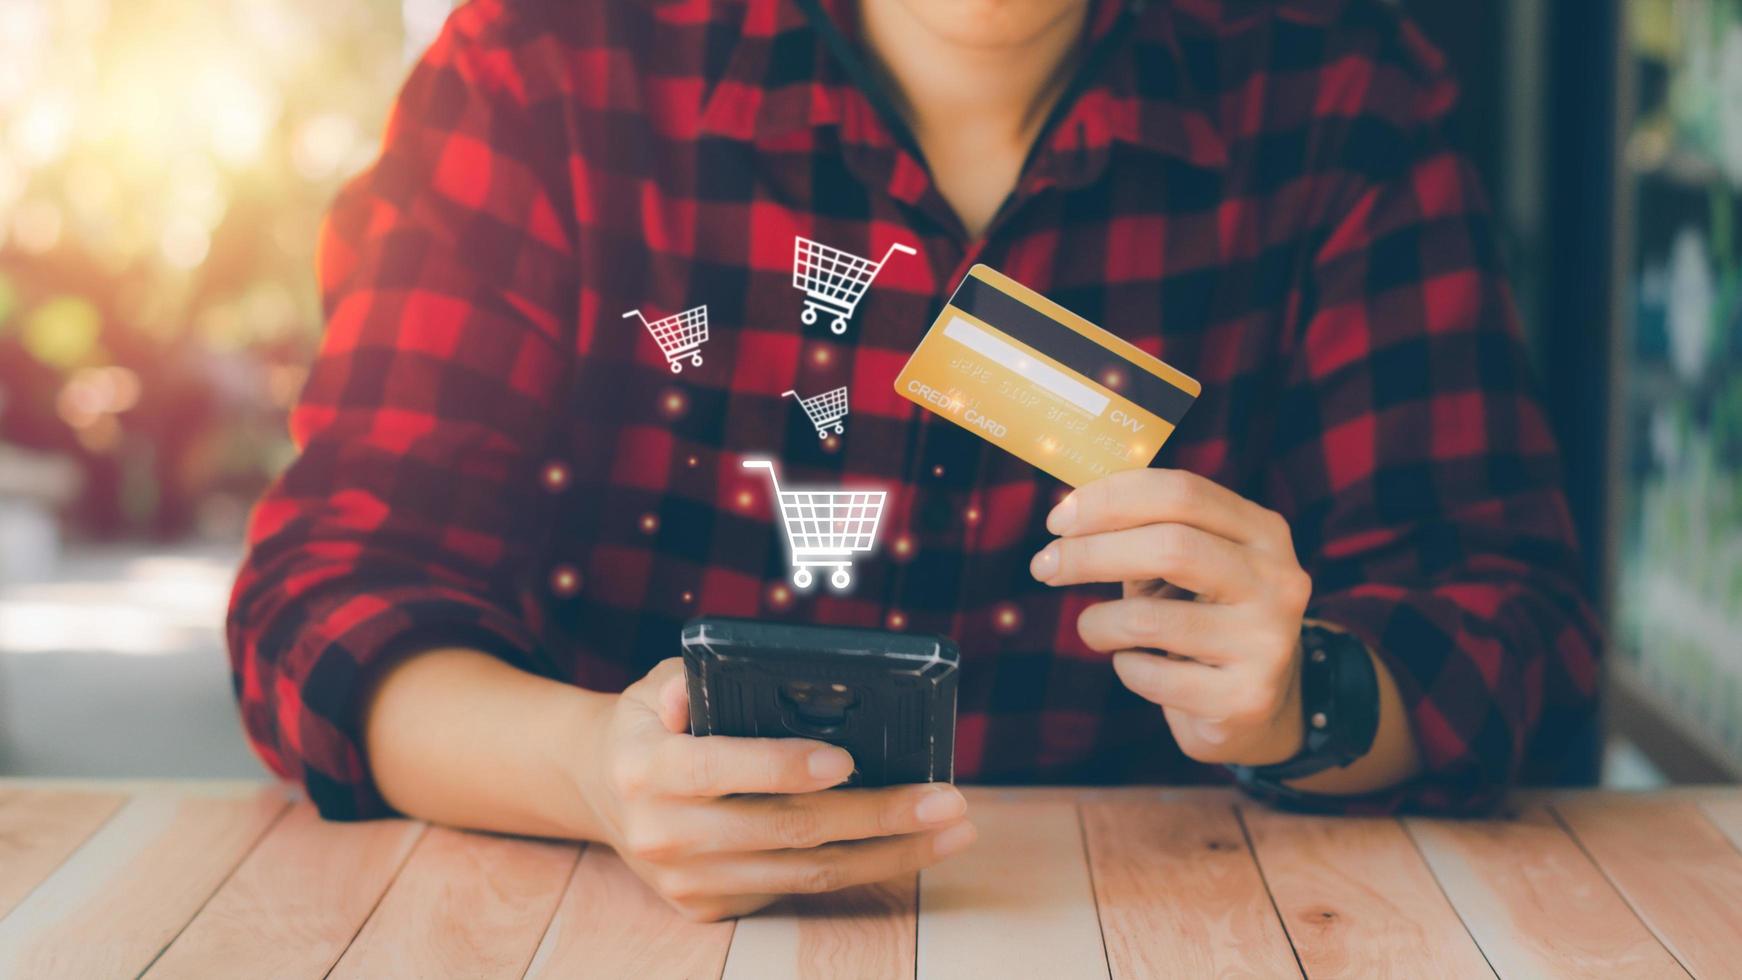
(1339, 707)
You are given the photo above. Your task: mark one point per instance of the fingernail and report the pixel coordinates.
(955, 840)
(1063, 516)
(833, 765)
(940, 805)
(1045, 564)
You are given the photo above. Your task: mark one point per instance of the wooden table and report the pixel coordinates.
(231, 880)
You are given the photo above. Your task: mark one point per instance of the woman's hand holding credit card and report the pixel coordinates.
(1214, 597)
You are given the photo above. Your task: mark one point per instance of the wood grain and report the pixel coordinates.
(1180, 894)
(125, 894)
(295, 903)
(1357, 899)
(1536, 904)
(38, 829)
(464, 905)
(860, 932)
(1678, 871)
(1018, 903)
(1726, 815)
(609, 924)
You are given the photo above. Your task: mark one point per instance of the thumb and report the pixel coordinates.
(662, 692)
(674, 705)
(649, 693)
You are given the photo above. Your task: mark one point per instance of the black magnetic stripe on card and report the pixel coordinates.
(1024, 323)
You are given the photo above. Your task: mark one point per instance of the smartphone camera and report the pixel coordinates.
(816, 710)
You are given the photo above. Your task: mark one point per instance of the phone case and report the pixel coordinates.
(889, 699)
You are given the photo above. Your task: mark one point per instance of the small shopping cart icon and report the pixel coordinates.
(678, 336)
(834, 281)
(825, 410)
(826, 528)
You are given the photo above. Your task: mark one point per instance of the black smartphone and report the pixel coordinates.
(888, 698)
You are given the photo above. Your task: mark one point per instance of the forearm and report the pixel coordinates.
(458, 737)
(1394, 758)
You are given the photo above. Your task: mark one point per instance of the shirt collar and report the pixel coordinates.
(780, 83)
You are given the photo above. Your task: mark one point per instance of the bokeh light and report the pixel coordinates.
(63, 331)
(555, 477)
(565, 581)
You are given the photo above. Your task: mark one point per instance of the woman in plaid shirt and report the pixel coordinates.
(462, 599)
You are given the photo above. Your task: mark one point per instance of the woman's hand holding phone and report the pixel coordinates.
(722, 826)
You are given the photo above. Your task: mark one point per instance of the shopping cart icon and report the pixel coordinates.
(825, 410)
(825, 528)
(678, 336)
(834, 281)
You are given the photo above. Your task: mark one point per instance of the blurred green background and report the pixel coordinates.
(164, 169)
(164, 165)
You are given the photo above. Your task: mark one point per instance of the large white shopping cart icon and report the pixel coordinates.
(678, 336)
(825, 410)
(832, 280)
(825, 528)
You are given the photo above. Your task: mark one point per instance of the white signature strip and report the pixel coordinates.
(1052, 379)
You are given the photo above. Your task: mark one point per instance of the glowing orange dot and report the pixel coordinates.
(938, 470)
(779, 597)
(903, 546)
(693, 462)
(831, 444)
(565, 580)
(1113, 379)
(745, 499)
(689, 597)
(897, 620)
(821, 355)
(1007, 618)
(674, 403)
(649, 523)
(555, 477)
(973, 515)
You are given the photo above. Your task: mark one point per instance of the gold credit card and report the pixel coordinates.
(1038, 381)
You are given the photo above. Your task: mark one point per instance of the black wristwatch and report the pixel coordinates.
(1339, 700)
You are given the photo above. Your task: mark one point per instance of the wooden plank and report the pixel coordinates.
(38, 829)
(1726, 815)
(465, 905)
(120, 898)
(1678, 871)
(1018, 903)
(294, 905)
(1357, 899)
(1536, 904)
(860, 932)
(609, 924)
(184, 788)
(1180, 894)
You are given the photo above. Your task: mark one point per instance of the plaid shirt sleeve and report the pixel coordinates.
(1420, 475)
(441, 270)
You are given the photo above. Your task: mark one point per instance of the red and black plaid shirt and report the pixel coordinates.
(1259, 193)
